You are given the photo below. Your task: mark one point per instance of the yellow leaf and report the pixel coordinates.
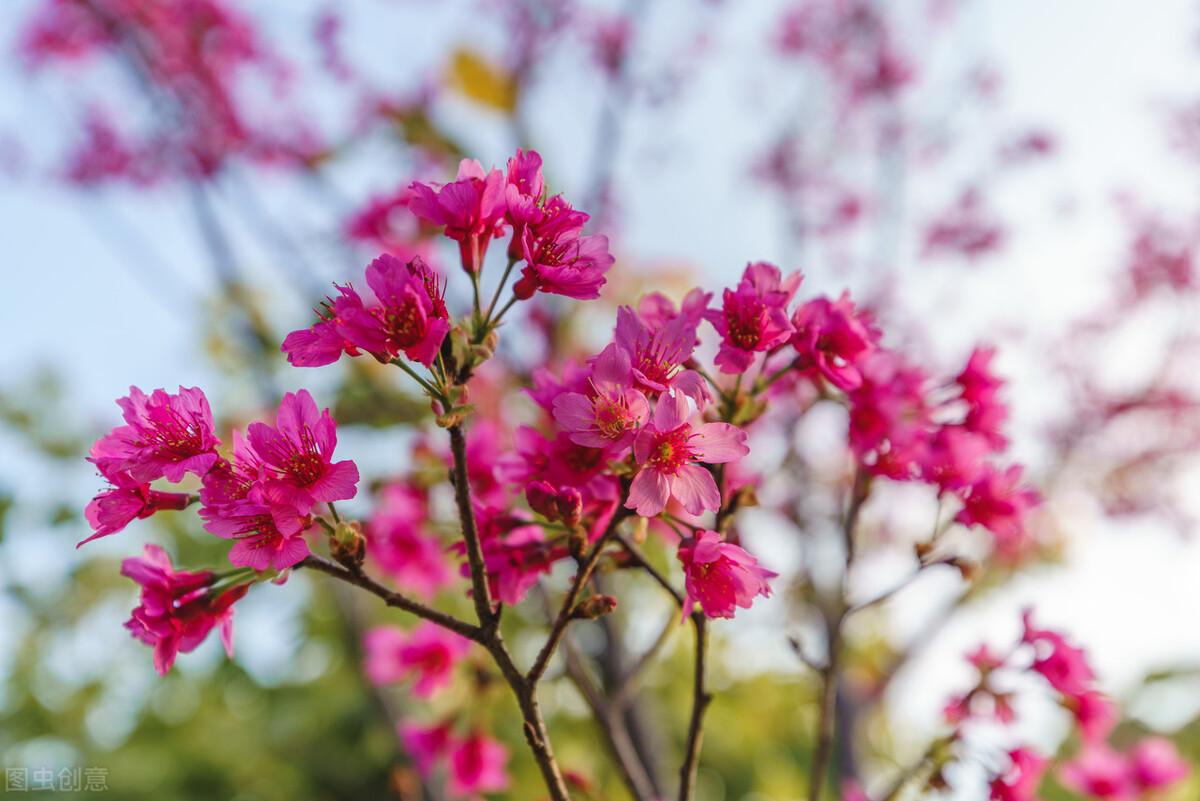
(477, 79)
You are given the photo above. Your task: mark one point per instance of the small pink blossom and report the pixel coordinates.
(658, 355)
(471, 208)
(559, 259)
(754, 316)
(966, 228)
(955, 458)
(1094, 713)
(1155, 763)
(399, 543)
(668, 452)
(385, 223)
(515, 553)
(1100, 773)
(655, 310)
(524, 191)
(831, 338)
(611, 414)
(477, 765)
(164, 435)
(890, 418)
(1020, 781)
(986, 413)
(428, 652)
(720, 576)
(1063, 665)
(1000, 503)
(427, 745)
(297, 452)
(267, 524)
(124, 501)
(559, 462)
(178, 608)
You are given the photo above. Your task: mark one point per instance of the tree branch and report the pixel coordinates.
(584, 572)
(480, 593)
(391, 598)
(700, 701)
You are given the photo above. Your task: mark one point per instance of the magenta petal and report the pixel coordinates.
(338, 483)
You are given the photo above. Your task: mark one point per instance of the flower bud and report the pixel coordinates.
(593, 607)
(570, 505)
(348, 545)
(542, 499)
(524, 289)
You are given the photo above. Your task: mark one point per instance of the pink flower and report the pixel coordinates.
(325, 341)
(164, 435)
(720, 576)
(177, 609)
(268, 524)
(754, 316)
(1099, 772)
(658, 355)
(966, 228)
(559, 259)
(890, 418)
(470, 208)
(386, 224)
(668, 450)
(408, 316)
(267, 519)
(1094, 713)
(126, 500)
(428, 652)
(298, 452)
(611, 414)
(400, 545)
(1155, 763)
(986, 413)
(477, 765)
(1020, 781)
(656, 310)
(1063, 665)
(831, 338)
(515, 553)
(998, 502)
(559, 462)
(524, 189)
(426, 744)
(955, 458)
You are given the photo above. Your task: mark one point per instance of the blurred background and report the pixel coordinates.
(1009, 172)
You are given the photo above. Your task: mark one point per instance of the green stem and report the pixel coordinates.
(429, 388)
(499, 288)
(511, 302)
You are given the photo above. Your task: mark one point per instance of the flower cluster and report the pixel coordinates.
(639, 443)
(264, 496)
(1097, 771)
(475, 763)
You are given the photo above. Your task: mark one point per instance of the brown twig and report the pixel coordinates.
(827, 722)
(395, 599)
(489, 618)
(582, 574)
(700, 701)
(611, 724)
